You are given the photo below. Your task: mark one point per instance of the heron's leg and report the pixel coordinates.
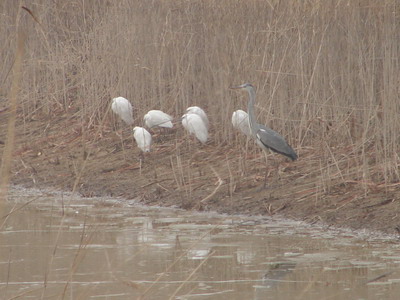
(246, 154)
(266, 169)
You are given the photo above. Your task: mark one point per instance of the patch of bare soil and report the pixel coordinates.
(179, 172)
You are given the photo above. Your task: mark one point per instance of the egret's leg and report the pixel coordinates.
(140, 164)
(163, 134)
(123, 144)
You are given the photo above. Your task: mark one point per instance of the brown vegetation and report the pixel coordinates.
(326, 75)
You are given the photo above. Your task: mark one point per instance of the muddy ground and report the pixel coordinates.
(179, 172)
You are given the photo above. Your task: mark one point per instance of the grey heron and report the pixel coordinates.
(265, 137)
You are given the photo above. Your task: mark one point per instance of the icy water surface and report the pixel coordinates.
(63, 247)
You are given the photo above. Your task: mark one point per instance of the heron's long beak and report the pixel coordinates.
(237, 87)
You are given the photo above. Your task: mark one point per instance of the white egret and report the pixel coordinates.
(142, 138)
(198, 111)
(194, 124)
(157, 118)
(123, 108)
(240, 121)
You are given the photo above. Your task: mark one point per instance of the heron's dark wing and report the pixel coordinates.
(274, 141)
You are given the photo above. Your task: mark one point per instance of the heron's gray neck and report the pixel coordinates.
(250, 111)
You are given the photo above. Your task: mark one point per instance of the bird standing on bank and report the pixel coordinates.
(194, 124)
(199, 111)
(142, 138)
(265, 137)
(157, 118)
(123, 108)
(240, 121)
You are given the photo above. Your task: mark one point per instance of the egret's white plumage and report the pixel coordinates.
(194, 124)
(123, 108)
(198, 111)
(240, 120)
(157, 118)
(142, 138)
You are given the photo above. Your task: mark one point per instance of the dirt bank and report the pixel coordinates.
(179, 172)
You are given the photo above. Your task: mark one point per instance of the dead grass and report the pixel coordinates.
(6, 159)
(326, 73)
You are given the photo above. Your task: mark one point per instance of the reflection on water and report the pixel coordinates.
(59, 246)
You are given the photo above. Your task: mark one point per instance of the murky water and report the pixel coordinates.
(59, 246)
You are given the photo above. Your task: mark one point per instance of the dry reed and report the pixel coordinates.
(6, 159)
(326, 72)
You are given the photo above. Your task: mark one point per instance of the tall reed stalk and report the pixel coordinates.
(326, 72)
